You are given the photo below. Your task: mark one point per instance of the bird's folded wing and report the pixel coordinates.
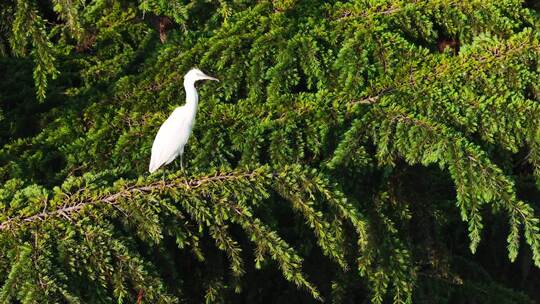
(168, 142)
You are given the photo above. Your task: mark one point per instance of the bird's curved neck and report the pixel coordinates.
(192, 98)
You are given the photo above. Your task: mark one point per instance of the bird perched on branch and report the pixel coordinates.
(175, 131)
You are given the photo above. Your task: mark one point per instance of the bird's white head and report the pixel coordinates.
(195, 74)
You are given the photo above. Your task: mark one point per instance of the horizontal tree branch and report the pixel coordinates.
(113, 199)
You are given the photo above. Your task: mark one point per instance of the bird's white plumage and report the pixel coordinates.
(175, 131)
(172, 137)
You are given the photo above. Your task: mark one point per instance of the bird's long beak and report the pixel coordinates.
(211, 78)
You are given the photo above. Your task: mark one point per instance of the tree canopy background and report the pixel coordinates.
(379, 151)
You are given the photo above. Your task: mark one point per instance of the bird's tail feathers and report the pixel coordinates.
(154, 165)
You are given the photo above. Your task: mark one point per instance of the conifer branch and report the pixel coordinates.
(370, 77)
(67, 211)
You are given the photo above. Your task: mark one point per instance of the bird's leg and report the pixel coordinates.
(181, 162)
(182, 169)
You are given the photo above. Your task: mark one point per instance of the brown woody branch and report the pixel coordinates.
(367, 100)
(372, 99)
(113, 199)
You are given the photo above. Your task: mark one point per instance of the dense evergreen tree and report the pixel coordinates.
(381, 151)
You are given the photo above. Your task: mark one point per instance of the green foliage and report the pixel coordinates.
(380, 151)
(29, 25)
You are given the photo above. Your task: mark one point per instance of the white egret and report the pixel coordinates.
(175, 131)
